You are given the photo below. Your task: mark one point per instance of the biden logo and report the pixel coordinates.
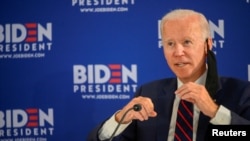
(104, 79)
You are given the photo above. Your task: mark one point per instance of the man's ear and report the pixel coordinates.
(210, 43)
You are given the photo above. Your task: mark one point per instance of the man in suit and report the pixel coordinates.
(216, 100)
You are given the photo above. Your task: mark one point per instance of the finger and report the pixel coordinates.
(144, 109)
(139, 116)
(183, 93)
(182, 90)
(149, 107)
(189, 89)
(188, 98)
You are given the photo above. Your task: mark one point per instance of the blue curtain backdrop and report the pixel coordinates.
(67, 65)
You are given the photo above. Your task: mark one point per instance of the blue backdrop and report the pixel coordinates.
(67, 65)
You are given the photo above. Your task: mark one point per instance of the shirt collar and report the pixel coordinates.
(201, 80)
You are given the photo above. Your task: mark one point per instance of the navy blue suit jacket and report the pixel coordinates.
(234, 94)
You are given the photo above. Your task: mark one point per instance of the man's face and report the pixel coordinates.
(184, 48)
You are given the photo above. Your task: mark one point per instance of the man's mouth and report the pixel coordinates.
(180, 64)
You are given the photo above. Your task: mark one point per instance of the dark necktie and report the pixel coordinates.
(184, 122)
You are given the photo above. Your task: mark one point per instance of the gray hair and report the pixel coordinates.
(183, 13)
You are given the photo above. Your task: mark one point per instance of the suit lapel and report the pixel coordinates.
(166, 98)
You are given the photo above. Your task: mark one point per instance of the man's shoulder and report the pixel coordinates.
(162, 81)
(157, 87)
(233, 81)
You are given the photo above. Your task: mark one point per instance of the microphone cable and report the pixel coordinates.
(136, 107)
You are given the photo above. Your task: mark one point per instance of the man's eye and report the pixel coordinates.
(187, 42)
(170, 44)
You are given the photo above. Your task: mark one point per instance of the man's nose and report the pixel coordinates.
(179, 50)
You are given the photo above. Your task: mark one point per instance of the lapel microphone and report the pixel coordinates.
(136, 107)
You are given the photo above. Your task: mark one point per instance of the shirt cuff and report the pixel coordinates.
(109, 126)
(222, 117)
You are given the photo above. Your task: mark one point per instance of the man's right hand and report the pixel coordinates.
(147, 110)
